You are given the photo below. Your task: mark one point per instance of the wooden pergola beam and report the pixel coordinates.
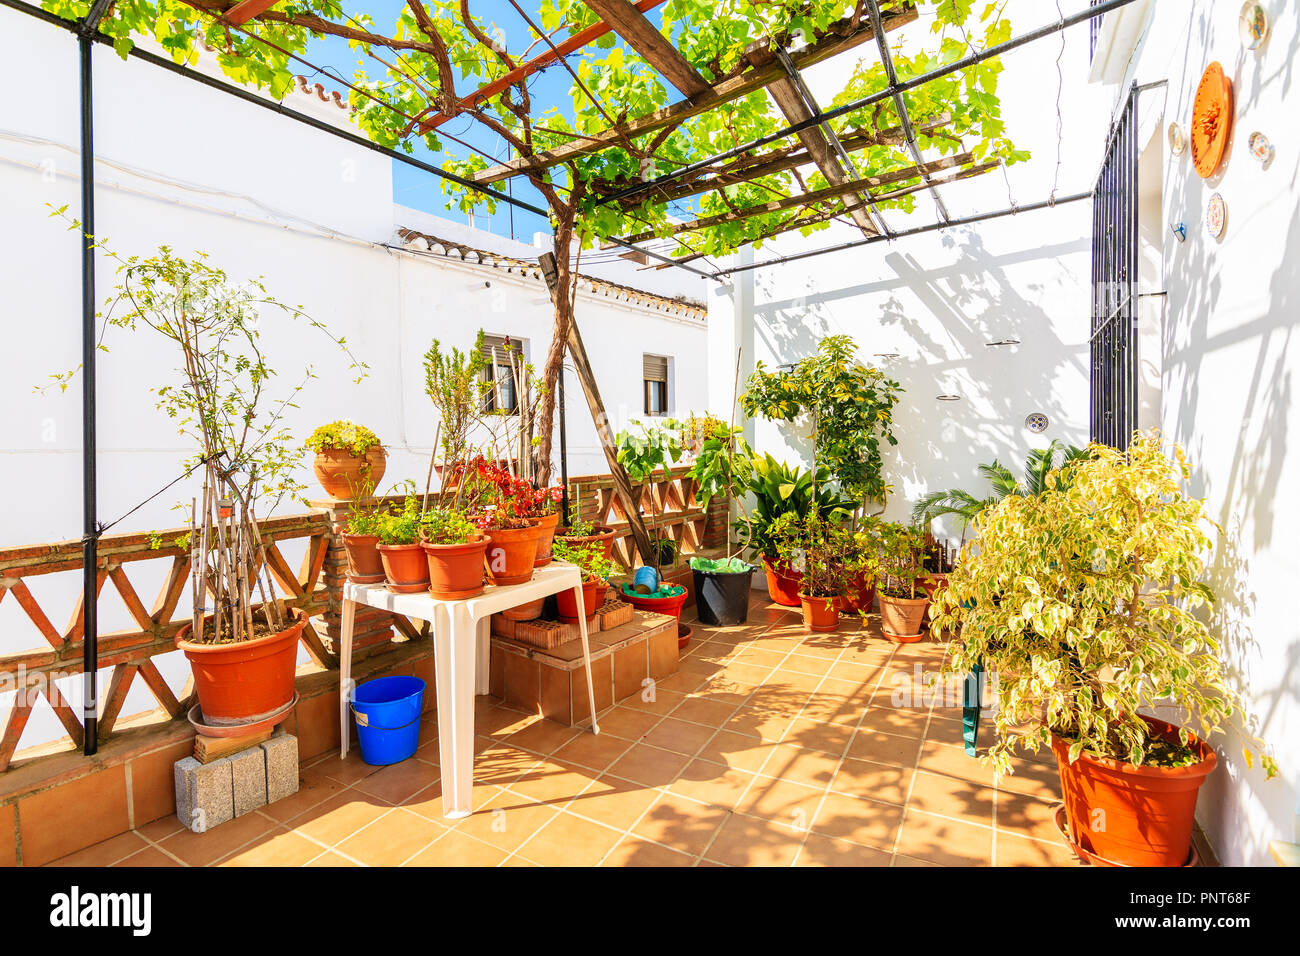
(817, 195)
(644, 37)
(245, 10)
(841, 36)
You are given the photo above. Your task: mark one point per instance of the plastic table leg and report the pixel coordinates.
(586, 655)
(482, 656)
(345, 675)
(455, 657)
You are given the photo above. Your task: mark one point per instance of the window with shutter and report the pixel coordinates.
(498, 351)
(654, 372)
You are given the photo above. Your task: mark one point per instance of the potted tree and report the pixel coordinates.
(454, 548)
(399, 548)
(349, 459)
(596, 568)
(816, 547)
(861, 566)
(902, 599)
(241, 640)
(1086, 601)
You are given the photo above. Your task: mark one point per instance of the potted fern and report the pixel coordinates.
(1087, 602)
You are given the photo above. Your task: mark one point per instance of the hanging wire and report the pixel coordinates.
(1060, 119)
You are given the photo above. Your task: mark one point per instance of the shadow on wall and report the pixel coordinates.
(1229, 357)
(940, 320)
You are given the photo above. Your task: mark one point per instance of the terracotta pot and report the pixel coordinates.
(683, 635)
(820, 614)
(547, 523)
(511, 553)
(593, 596)
(932, 582)
(900, 618)
(782, 583)
(364, 564)
(1134, 816)
(670, 605)
(600, 534)
(525, 612)
(455, 571)
(344, 475)
(243, 682)
(405, 567)
(860, 595)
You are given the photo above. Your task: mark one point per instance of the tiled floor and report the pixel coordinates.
(769, 747)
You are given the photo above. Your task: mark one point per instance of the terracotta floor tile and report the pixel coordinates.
(952, 797)
(314, 787)
(339, 817)
(885, 748)
(649, 765)
(276, 848)
(392, 839)
(803, 666)
(506, 820)
(664, 702)
(821, 850)
(569, 841)
(454, 848)
(330, 858)
(944, 841)
(759, 657)
(866, 822)
(751, 841)
(633, 851)
(204, 849)
(400, 781)
(901, 721)
(502, 764)
(628, 723)
(818, 735)
(877, 781)
(681, 823)
(683, 682)
(544, 736)
(613, 802)
(106, 852)
(428, 802)
(736, 750)
(1033, 778)
(596, 751)
(901, 860)
(160, 829)
(712, 783)
(797, 765)
(829, 708)
(781, 801)
(553, 782)
(702, 710)
(764, 725)
(1027, 816)
(860, 673)
(679, 735)
(150, 856)
(1014, 850)
(346, 770)
(952, 760)
(795, 684)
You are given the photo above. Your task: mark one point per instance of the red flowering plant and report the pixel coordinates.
(497, 498)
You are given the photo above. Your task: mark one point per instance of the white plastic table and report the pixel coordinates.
(460, 660)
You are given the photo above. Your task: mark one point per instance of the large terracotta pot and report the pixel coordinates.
(241, 682)
(593, 596)
(547, 523)
(1133, 816)
(860, 595)
(344, 475)
(782, 583)
(511, 553)
(820, 614)
(901, 618)
(525, 612)
(405, 567)
(455, 571)
(670, 604)
(600, 535)
(364, 563)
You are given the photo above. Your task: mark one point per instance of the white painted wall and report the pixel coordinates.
(1231, 360)
(191, 167)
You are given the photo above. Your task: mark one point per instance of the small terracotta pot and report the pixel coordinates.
(860, 595)
(455, 571)
(900, 618)
(525, 612)
(244, 681)
(405, 567)
(511, 553)
(600, 534)
(547, 523)
(364, 563)
(683, 635)
(1134, 816)
(782, 583)
(344, 475)
(820, 614)
(593, 596)
(670, 604)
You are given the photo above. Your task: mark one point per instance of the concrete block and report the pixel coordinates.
(248, 774)
(281, 753)
(204, 793)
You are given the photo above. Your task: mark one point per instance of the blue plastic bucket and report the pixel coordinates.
(387, 713)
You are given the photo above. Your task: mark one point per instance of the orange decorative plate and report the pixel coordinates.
(1211, 120)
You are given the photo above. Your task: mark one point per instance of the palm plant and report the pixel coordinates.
(1003, 484)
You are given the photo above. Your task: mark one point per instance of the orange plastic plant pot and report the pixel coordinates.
(238, 682)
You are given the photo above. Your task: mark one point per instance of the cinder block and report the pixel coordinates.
(281, 766)
(204, 793)
(248, 771)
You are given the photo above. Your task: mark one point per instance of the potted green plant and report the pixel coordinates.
(361, 541)
(722, 459)
(1087, 602)
(903, 600)
(596, 568)
(648, 454)
(399, 547)
(241, 640)
(579, 531)
(817, 548)
(454, 548)
(861, 565)
(349, 459)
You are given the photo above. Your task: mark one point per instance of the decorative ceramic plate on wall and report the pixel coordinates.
(1216, 216)
(1211, 120)
(1036, 422)
(1260, 148)
(1177, 139)
(1252, 25)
